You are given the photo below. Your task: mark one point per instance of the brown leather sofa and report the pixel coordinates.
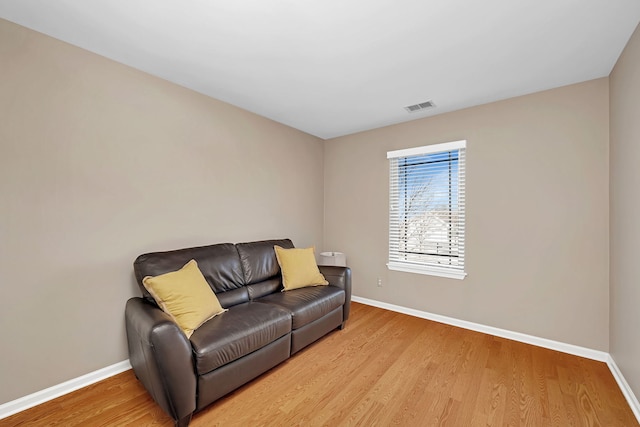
(262, 327)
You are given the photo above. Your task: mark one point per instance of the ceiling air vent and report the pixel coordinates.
(421, 106)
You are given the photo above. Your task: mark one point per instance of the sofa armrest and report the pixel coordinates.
(341, 278)
(161, 357)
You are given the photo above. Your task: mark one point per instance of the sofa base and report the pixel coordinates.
(302, 337)
(183, 422)
(217, 383)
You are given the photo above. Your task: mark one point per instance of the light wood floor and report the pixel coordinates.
(383, 369)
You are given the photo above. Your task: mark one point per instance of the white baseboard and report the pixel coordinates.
(624, 387)
(31, 400)
(588, 353)
(516, 336)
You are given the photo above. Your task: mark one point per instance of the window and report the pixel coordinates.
(426, 209)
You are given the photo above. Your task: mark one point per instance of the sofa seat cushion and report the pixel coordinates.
(307, 304)
(241, 330)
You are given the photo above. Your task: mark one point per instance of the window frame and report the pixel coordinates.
(423, 267)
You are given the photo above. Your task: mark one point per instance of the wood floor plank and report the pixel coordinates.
(383, 369)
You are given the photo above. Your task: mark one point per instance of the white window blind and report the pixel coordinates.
(426, 209)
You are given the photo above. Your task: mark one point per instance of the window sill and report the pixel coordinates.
(430, 271)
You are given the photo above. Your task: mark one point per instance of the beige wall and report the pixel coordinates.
(99, 163)
(537, 214)
(625, 213)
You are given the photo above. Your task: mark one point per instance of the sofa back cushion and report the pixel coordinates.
(260, 266)
(219, 264)
(259, 261)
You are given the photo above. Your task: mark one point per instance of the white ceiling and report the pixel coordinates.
(335, 67)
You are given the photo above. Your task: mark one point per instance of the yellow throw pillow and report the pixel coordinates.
(299, 268)
(184, 295)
